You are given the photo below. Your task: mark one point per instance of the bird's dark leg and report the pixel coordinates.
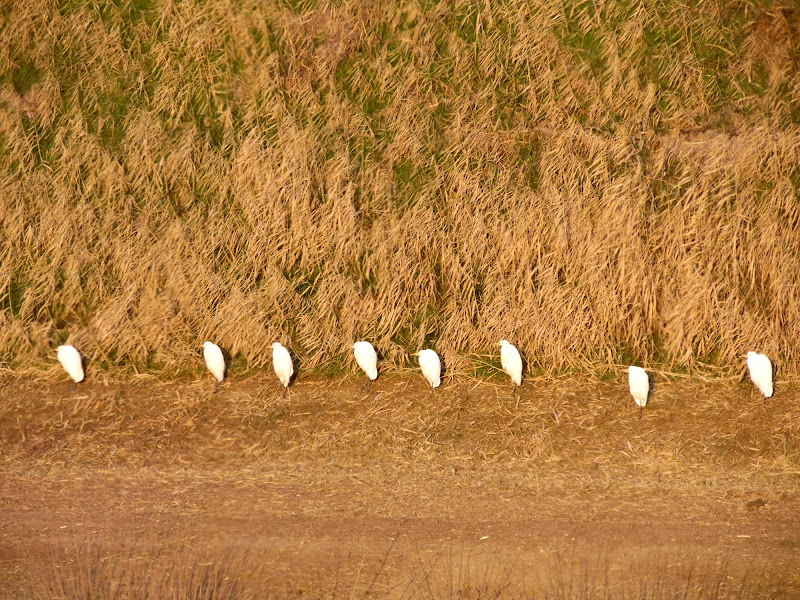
(73, 387)
(369, 386)
(285, 392)
(216, 389)
(641, 408)
(432, 388)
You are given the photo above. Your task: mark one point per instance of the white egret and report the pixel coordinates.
(511, 362)
(282, 362)
(70, 359)
(760, 367)
(215, 362)
(367, 359)
(639, 384)
(431, 367)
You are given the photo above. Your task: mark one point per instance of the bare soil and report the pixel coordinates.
(333, 491)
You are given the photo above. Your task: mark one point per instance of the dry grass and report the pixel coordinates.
(577, 436)
(652, 576)
(130, 572)
(599, 182)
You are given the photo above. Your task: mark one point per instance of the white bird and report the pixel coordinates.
(511, 362)
(760, 367)
(70, 359)
(282, 363)
(431, 367)
(367, 359)
(639, 384)
(214, 361)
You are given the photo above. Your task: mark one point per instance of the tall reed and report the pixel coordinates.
(600, 182)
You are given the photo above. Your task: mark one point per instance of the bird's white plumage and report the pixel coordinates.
(214, 360)
(282, 363)
(367, 359)
(639, 384)
(431, 366)
(760, 367)
(511, 361)
(70, 359)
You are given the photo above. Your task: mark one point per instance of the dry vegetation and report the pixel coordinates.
(136, 573)
(599, 181)
(689, 436)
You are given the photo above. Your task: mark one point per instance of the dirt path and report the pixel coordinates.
(431, 499)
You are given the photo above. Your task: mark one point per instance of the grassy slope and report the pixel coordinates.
(599, 181)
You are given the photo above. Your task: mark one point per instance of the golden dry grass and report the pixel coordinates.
(600, 182)
(691, 437)
(131, 573)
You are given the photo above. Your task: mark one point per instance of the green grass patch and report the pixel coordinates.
(24, 76)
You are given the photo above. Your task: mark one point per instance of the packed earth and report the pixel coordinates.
(147, 488)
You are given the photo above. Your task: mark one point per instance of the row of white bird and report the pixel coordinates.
(759, 366)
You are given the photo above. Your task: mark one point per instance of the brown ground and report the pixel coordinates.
(335, 492)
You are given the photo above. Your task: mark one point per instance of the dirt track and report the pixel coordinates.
(333, 492)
